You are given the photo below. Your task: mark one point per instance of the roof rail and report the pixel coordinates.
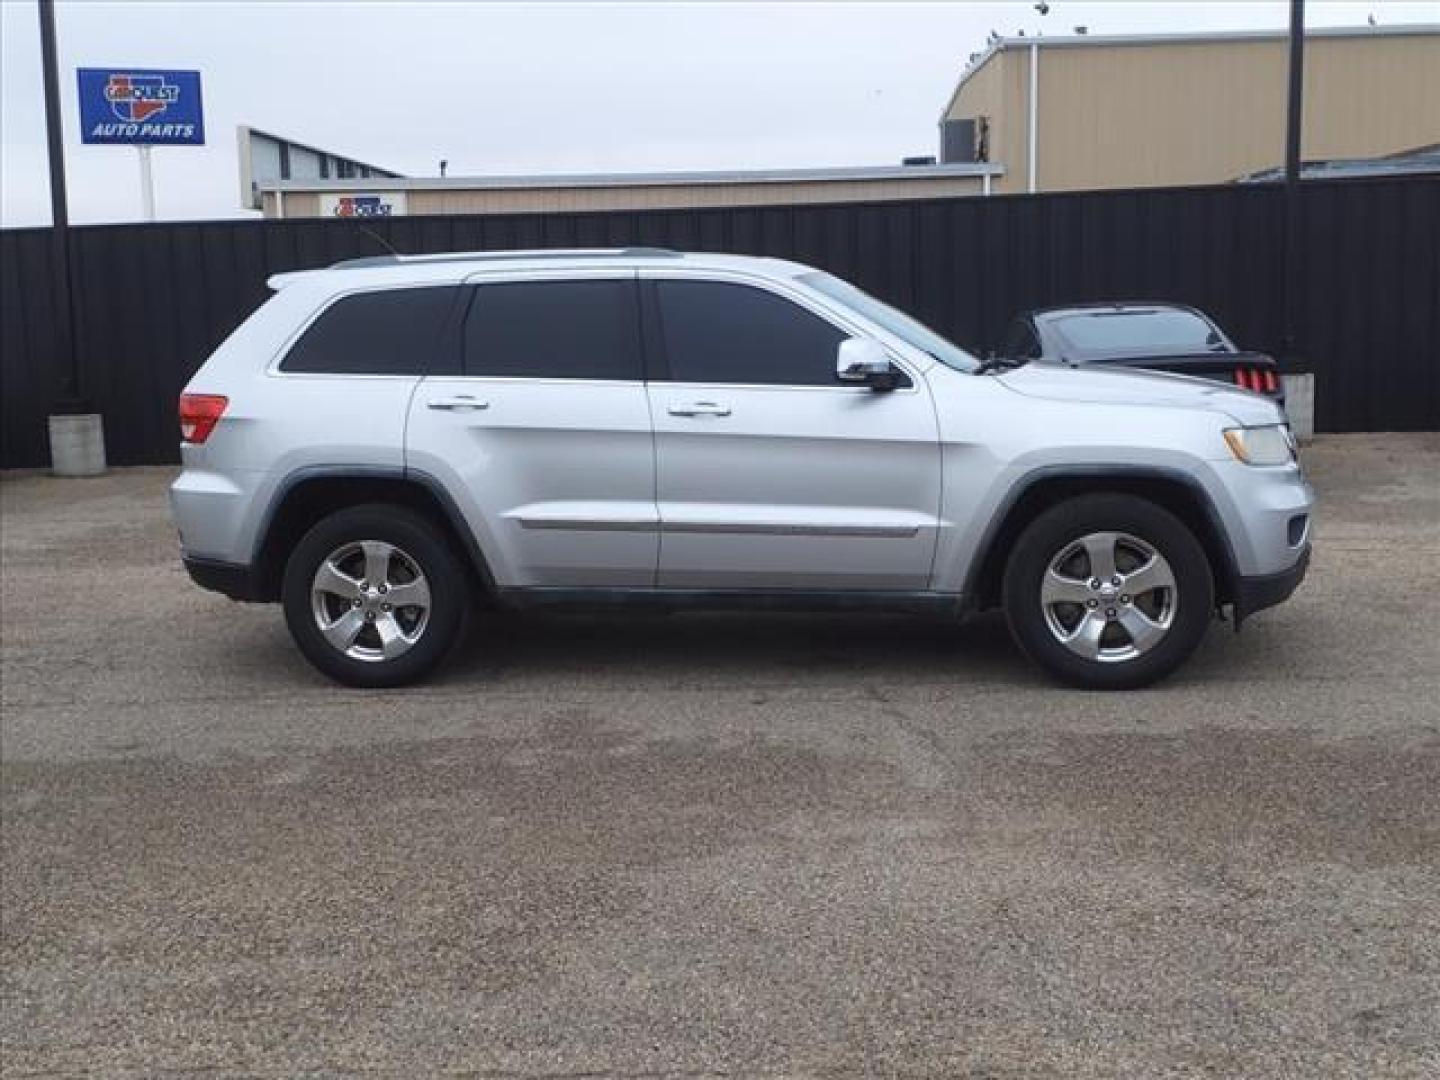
(537, 253)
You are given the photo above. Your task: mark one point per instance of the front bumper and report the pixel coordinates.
(1267, 513)
(1260, 591)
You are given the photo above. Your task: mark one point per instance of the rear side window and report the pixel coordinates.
(554, 330)
(394, 332)
(717, 332)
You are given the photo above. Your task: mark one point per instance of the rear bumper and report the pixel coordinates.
(230, 579)
(1258, 592)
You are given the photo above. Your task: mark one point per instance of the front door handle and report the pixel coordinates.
(700, 408)
(460, 403)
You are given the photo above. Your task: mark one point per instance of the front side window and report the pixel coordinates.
(718, 332)
(389, 332)
(554, 330)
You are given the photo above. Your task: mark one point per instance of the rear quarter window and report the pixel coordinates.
(388, 332)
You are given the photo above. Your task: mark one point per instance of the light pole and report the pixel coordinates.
(1291, 270)
(1295, 98)
(59, 203)
(77, 438)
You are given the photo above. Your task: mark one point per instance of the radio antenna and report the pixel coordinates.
(378, 239)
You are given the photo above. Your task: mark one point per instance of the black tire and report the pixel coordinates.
(1065, 524)
(420, 543)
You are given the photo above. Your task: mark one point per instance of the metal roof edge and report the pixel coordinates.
(971, 68)
(959, 170)
(1218, 36)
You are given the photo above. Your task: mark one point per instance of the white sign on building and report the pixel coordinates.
(366, 204)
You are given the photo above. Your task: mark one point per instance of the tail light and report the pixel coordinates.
(199, 413)
(1259, 380)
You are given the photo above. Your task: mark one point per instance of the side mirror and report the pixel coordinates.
(863, 360)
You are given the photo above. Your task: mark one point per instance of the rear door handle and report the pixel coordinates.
(460, 403)
(700, 408)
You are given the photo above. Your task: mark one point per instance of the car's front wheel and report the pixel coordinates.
(1108, 591)
(374, 596)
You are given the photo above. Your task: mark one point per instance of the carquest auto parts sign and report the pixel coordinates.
(141, 107)
(361, 205)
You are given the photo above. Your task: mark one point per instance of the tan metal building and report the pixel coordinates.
(633, 191)
(1086, 112)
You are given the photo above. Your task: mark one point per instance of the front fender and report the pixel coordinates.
(973, 548)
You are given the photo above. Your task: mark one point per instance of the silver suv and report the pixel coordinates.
(388, 442)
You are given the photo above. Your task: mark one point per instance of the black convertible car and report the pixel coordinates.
(1163, 336)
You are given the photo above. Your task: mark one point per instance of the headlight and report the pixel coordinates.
(1270, 445)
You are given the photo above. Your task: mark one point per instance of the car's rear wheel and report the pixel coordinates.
(1108, 591)
(374, 596)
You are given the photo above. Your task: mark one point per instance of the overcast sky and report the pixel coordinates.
(541, 87)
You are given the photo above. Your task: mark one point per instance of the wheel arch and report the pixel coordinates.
(310, 494)
(1042, 488)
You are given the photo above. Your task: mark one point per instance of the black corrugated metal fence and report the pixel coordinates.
(151, 301)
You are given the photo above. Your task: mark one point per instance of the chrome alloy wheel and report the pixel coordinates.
(1109, 596)
(370, 600)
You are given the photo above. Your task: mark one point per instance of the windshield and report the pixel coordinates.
(1156, 330)
(909, 330)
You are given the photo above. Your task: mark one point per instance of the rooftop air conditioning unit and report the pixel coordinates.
(957, 142)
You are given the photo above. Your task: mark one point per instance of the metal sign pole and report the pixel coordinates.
(59, 207)
(147, 181)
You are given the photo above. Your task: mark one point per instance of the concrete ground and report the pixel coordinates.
(734, 845)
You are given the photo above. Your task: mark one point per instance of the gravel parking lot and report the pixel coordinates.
(729, 845)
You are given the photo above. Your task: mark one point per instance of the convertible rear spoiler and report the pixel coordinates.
(1248, 370)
